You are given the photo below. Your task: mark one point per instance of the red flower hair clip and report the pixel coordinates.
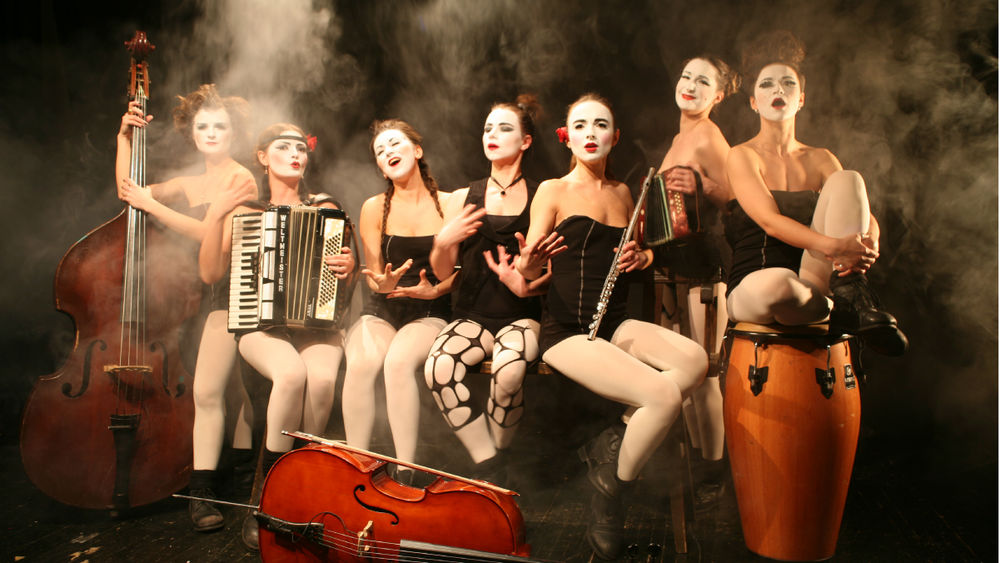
(563, 134)
(311, 142)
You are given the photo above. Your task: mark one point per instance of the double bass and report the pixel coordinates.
(112, 428)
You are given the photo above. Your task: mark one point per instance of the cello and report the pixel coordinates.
(112, 428)
(330, 502)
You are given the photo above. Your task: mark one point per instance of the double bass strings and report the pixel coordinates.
(133, 321)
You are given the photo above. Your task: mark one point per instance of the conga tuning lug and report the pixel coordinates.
(757, 377)
(826, 379)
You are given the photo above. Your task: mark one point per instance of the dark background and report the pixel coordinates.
(903, 92)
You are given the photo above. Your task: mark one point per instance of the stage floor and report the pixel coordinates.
(891, 514)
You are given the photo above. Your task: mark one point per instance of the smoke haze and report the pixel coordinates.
(903, 93)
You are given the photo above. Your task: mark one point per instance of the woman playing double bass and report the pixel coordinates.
(215, 126)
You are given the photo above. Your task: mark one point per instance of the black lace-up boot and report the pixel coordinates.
(204, 515)
(856, 310)
(601, 457)
(606, 529)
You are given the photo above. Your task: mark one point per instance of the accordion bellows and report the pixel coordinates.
(278, 276)
(666, 214)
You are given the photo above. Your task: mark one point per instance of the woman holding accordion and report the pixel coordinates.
(644, 366)
(697, 157)
(302, 364)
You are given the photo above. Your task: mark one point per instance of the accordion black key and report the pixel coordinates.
(278, 276)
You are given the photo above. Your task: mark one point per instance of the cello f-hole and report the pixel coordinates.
(395, 517)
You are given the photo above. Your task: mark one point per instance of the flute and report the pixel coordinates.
(609, 282)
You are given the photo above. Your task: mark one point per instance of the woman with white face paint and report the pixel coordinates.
(302, 364)
(408, 305)
(644, 366)
(216, 126)
(496, 311)
(792, 197)
(698, 154)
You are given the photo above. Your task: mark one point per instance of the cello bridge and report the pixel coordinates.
(364, 546)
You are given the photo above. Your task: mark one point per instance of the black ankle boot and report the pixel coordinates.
(606, 529)
(204, 515)
(856, 310)
(250, 532)
(492, 470)
(601, 457)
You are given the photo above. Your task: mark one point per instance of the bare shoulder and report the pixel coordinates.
(744, 152)
(551, 187)
(818, 158)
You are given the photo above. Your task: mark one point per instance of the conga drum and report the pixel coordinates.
(792, 411)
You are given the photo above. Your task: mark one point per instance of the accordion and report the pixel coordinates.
(278, 276)
(669, 214)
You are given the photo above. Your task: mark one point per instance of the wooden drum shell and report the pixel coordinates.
(791, 448)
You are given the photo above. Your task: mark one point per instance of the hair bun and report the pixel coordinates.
(779, 46)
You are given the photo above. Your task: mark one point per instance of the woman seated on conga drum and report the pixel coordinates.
(644, 366)
(792, 197)
(301, 363)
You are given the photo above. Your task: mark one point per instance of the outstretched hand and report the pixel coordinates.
(423, 290)
(386, 281)
(537, 254)
(464, 225)
(504, 268)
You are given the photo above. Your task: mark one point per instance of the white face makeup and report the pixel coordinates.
(395, 154)
(502, 138)
(212, 131)
(591, 131)
(287, 158)
(698, 87)
(777, 93)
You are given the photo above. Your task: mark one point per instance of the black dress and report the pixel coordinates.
(752, 249)
(399, 311)
(578, 275)
(479, 294)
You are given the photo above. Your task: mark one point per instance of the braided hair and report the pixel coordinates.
(379, 127)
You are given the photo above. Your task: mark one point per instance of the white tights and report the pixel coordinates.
(218, 387)
(303, 372)
(373, 345)
(644, 366)
(780, 295)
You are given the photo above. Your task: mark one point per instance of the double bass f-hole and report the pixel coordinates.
(395, 517)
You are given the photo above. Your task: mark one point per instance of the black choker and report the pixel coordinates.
(503, 189)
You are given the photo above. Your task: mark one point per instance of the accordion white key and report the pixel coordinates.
(278, 276)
